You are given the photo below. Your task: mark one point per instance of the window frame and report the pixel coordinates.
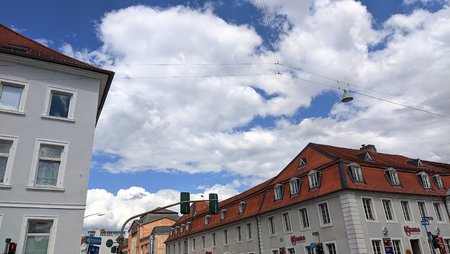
(302, 163)
(420, 210)
(438, 181)
(242, 207)
(11, 159)
(272, 226)
(400, 246)
(355, 172)
(372, 207)
(294, 186)
(278, 191)
(72, 104)
(193, 243)
(300, 214)
(286, 219)
(225, 237)
(392, 210)
(424, 180)
(249, 232)
(327, 250)
(381, 246)
(24, 234)
(314, 179)
(392, 176)
(442, 217)
(203, 242)
(23, 96)
(62, 167)
(411, 217)
(321, 219)
(207, 219)
(238, 233)
(223, 214)
(213, 239)
(188, 226)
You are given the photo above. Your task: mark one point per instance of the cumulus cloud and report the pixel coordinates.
(184, 91)
(135, 200)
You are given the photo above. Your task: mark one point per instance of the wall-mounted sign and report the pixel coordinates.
(388, 246)
(411, 230)
(208, 252)
(295, 239)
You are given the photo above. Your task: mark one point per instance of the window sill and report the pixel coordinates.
(45, 188)
(12, 112)
(70, 120)
(5, 186)
(326, 225)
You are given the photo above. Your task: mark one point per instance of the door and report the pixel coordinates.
(415, 246)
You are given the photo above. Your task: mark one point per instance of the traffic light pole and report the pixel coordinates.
(121, 239)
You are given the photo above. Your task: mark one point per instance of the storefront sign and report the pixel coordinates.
(295, 239)
(208, 252)
(388, 246)
(411, 230)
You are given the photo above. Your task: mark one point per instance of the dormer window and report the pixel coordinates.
(438, 180)
(424, 180)
(207, 219)
(295, 185)
(302, 163)
(314, 178)
(182, 228)
(223, 214)
(177, 228)
(241, 207)
(171, 231)
(355, 172)
(188, 226)
(392, 175)
(417, 162)
(278, 189)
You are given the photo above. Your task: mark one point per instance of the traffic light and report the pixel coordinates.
(185, 208)
(435, 241)
(213, 203)
(114, 249)
(12, 248)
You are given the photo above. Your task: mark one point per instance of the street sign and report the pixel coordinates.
(312, 246)
(425, 222)
(427, 218)
(93, 249)
(109, 243)
(93, 240)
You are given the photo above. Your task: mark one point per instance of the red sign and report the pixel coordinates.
(295, 239)
(411, 230)
(208, 252)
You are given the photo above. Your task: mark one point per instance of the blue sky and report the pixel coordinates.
(198, 103)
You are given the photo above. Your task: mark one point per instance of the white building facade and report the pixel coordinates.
(49, 106)
(332, 197)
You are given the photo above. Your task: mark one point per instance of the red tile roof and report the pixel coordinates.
(13, 43)
(331, 162)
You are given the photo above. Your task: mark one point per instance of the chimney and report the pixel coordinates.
(368, 148)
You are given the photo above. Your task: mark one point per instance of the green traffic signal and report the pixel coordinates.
(185, 208)
(213, 203)
(113, 249)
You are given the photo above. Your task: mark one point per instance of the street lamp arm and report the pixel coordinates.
(98, 214)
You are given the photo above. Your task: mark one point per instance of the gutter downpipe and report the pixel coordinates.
(258, 229)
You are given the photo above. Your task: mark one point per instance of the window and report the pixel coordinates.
(274, 251)
(438, 180)
(314, 179)
(304, 218)
(50, 164)
(278, 189)
(387, 206)
(330, 248)
(392, 175)
(203, 242)
(207, 219)
(61, 103)
(241, 207)
(182, 228)
(185, 244)
(406, 211)
(7, 148)
(193, 243)
(272, 230)
(168, 249)
(12, 96)
(302, 163)
(295, 185)
(424, 180)
(376, 247)
(188, 225)
(38, 236)
(324, 214)
(239, 233)
(286, 222)
(397, 247)
(447, 244)
(223, 214)
(422, 209)
(438, 211)
(355, 172)
(368, 209)
(225, 237)
(214, 239)
(177, 229)
(179, 247)
(249, 232)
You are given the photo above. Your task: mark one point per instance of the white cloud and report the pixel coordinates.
(188, 123)
(135, 200)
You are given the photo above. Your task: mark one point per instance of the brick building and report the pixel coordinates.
(344, 200)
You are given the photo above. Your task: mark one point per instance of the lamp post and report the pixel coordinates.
(98, 214)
